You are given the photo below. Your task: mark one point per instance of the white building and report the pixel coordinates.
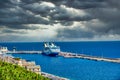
(3, 49)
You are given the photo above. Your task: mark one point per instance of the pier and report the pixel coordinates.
(71, 55)
(53, 77)
(24, 52)
(87, 57)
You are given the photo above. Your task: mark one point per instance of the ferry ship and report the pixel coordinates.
(50, 49)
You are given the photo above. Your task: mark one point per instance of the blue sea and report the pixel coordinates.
(72, 68)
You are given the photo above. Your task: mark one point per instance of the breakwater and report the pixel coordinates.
(72, 55)
(88, 57)
(30, 52)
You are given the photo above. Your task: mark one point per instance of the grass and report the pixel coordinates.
(9, 71)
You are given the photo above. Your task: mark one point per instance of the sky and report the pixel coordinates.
(59, 20)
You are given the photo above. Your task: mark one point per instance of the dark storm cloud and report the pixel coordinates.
(13, 38)
(9, 31)
(108, 14)
(40, 7)
(5, 3)
(67, 14)
(17, 27)
(80, 4)
(19, 14)
(74, 33)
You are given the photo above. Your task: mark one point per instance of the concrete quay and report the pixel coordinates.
(24, 52)
(83, 56)
(53, 77)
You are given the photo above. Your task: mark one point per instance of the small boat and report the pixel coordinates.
(50, 49)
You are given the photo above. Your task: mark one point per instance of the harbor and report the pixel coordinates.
(33, 67)
(4, 50)
(59, 39)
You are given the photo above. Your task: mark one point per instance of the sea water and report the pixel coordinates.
(72, 68)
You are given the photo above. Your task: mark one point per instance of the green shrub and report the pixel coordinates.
(17, 58)
(14, 72)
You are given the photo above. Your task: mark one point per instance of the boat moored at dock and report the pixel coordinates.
(50, 49)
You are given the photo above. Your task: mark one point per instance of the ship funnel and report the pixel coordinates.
(52, 44)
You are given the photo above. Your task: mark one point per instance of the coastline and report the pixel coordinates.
(30, 66)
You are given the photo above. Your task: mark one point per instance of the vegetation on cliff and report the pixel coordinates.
(14, 72)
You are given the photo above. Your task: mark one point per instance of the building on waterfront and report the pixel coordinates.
(31, 66)
(3, 49)
(35, 69)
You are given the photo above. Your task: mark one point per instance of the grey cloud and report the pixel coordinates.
(109, 15)
(114, 3)
(65, 15)
(16, 27)
(8, 31)
(5, 3)
(13, 38)
(24, 12)
(17, 14)
(68, 23)
(40, 7)
(80, 4)
(55, 13)
(74, 33)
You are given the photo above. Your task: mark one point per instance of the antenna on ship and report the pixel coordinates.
(45, 44)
